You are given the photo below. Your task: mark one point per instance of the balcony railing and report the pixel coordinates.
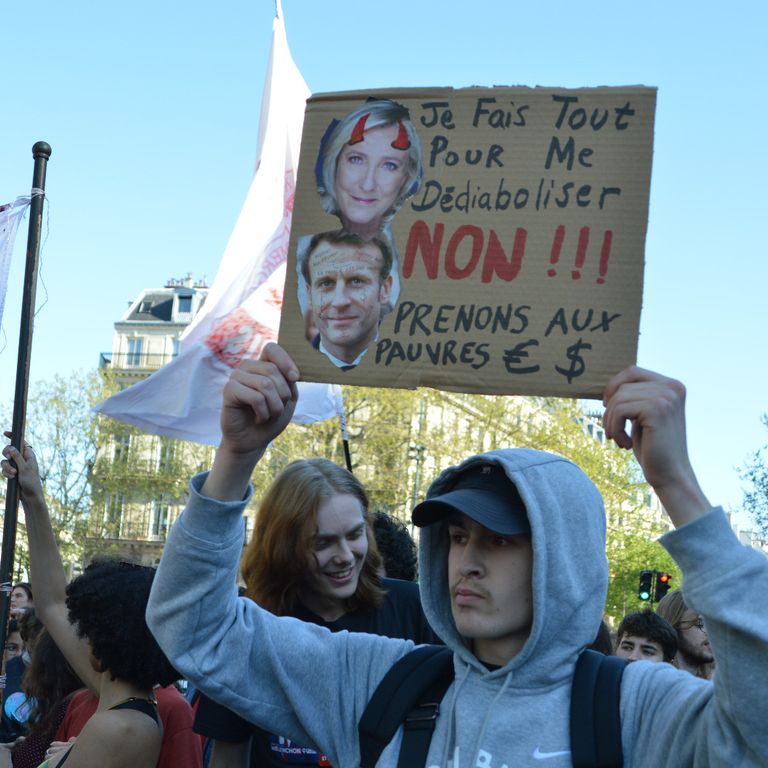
(134, 360)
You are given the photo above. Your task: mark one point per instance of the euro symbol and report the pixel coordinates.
(514, 357)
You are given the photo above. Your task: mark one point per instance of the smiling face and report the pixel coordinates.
(633, 648)
(347, 294)
(336, 555)
(369, 179)
(490, 579)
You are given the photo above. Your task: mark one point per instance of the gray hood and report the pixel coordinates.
(570, 572)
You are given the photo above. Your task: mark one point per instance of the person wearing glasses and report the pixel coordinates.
(694, 652)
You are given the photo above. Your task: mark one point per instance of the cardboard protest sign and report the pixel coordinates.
(476, 240)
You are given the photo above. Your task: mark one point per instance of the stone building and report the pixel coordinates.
(139, 481)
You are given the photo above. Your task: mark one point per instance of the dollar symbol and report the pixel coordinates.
(577, 361)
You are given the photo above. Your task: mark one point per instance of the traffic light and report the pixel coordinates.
(662, 585)
(645, 589)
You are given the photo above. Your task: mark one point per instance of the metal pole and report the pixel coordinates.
(41, 151)
(343, 428)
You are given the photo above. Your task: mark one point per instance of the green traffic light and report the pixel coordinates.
(645, 587)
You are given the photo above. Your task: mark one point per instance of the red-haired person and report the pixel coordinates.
(312, 556)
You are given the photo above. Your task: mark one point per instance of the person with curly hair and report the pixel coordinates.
(98, 623)
(644, 635)
(396, 545)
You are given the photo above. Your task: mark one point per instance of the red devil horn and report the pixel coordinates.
(402, 141)
(359, 130)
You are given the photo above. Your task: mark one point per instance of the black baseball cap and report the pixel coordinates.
(482, 492)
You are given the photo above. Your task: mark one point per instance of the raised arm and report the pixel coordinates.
(259, 400)
(203, 626)
(655, 405)
(675, 719)
(47, 570)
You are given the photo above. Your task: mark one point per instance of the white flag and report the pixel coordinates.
(10, 216)
(242, 311)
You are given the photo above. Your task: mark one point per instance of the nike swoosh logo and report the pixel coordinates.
(539, 755)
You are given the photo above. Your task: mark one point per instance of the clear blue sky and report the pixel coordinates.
(152, 112)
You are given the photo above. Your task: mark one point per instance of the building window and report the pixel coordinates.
(135, 346)
(114, 514)
(185, 305)
(165, 460)
(160, 514)
(176, 347)
(122, 446)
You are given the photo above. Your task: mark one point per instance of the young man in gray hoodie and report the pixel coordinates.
(513, 579)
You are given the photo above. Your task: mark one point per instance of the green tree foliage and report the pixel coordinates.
(401, 440)
(633, 547)
(132, 472)
(64, 435)
(88, 462)
(755, 472)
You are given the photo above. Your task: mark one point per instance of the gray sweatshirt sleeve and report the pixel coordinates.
(289, 677)
(672, 718)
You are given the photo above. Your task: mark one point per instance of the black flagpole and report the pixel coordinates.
(40, 152)
(343, 428)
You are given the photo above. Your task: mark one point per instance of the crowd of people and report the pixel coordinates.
(512, 576)
(97, 689)
(316, 554)
(511, 569)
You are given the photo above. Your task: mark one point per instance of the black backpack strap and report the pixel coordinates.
(595, 714)
(408, 695)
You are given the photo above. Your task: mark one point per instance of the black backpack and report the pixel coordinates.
(411, 692)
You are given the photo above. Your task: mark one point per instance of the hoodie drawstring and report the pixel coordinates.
(487, 718)
(452, 720)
